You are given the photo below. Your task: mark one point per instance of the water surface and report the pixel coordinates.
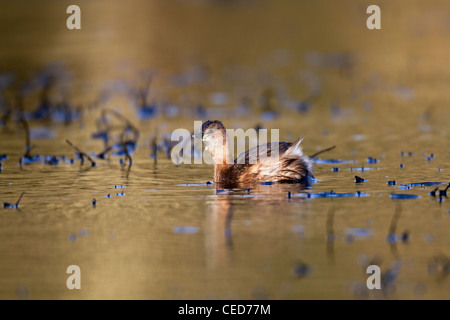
(158, 230)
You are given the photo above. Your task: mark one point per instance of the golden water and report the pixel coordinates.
(390, 86)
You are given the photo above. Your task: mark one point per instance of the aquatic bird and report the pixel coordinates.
(255, 165)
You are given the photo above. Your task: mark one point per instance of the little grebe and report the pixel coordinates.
(291, 165)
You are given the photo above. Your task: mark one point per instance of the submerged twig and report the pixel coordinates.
(395, 217)
(392, 237)
(330, 231)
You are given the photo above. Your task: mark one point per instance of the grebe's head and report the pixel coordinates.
(213, 134)
(214, 137)
(212, 129)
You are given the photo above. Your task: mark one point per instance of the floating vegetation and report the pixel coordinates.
(410, 154)
(359, 233)
(11, 205)
(405, 236)
(102, 155)
(51, 160)
(185, 229)
(249, 195)
(360, 180)
(27, 160)
(301, 270)
(361, 169)
(419, 184)
(223, 191)
(331, 161)
(404, 196)
(332, 194)
(371, 160)
(441, 193)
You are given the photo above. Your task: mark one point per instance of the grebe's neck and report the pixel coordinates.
(222, 157)
(220, 149)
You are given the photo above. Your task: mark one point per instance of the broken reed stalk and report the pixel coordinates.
(143, 93)
(322, 151)
(125, 148)
(27, 138)
(154, 148)
(13, 206)
(82, 154)
(18, 200)
(128, 123)
(127, 154)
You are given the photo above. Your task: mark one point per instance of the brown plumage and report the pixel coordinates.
(259, 164)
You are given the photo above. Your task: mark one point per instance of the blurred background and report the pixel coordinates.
(149, 228)
(265, 54)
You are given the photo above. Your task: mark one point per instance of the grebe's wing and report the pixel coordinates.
(295, 149)
(252, 155)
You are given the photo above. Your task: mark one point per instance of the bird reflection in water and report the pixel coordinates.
(221, 209)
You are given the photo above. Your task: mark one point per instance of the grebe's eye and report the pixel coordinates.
(207, 133)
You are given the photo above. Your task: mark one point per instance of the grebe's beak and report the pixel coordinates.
(197, 135)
